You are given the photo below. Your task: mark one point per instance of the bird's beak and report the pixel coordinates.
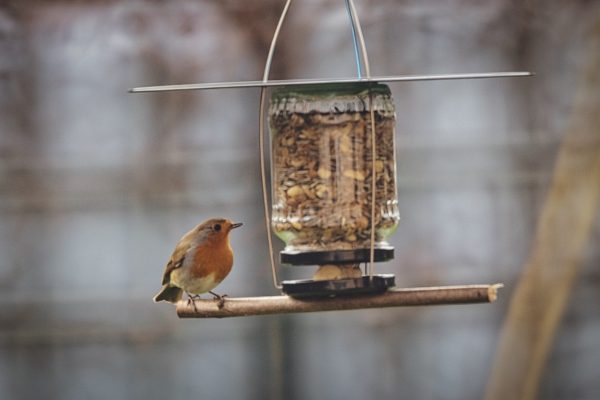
(236, 225)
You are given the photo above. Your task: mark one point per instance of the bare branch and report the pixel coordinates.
(425, 296)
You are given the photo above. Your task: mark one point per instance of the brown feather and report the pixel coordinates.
(178, 256)
(168, 293)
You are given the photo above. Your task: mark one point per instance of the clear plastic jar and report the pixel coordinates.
(321, 167)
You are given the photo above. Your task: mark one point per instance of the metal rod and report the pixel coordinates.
(274, 40)
(424, 296)
(365, 57)
(261, 141)
(354, 40)
(375, 79)
(373, 187)
(263, 177)
(361, 38)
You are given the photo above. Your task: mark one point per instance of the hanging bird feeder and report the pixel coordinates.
(322, 176)
(333, 200)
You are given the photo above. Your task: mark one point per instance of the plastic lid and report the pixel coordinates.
(332, 97)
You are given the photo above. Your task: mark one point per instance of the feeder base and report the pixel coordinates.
(339, 287)
(355, 256)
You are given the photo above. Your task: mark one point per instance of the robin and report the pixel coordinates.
(200, 261)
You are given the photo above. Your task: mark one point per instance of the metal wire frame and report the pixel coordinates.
(261, 141)
(361, 59)
(301, 82)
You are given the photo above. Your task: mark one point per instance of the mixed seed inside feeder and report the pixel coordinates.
(322, 171)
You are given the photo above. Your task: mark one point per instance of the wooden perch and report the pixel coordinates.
(425, 296)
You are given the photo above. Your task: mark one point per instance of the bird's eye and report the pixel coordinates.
(217, 227)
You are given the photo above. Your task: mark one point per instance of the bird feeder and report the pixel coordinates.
(334, 189)
(323, 173)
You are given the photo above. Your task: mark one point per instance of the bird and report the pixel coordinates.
(201, 260)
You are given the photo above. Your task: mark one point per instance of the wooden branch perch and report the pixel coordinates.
(425, 296)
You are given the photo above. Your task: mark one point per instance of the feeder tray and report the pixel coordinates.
(334, 257)
(306, 288)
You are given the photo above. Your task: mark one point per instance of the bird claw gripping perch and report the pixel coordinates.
(219, 298)
(192, 300)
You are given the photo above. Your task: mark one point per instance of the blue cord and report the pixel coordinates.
(354, 41)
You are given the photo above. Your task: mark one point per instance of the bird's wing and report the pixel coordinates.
(178, 257)
(171, 265)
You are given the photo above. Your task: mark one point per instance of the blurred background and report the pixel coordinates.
(498, 181)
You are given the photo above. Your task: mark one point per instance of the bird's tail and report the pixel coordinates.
(169, 293)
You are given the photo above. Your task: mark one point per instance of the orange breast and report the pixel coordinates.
(213, 258)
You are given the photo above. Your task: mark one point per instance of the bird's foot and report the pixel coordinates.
(191, 300)
(220, 298)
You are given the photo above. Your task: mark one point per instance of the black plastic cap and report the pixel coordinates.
(339, 287)
(355, 256)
